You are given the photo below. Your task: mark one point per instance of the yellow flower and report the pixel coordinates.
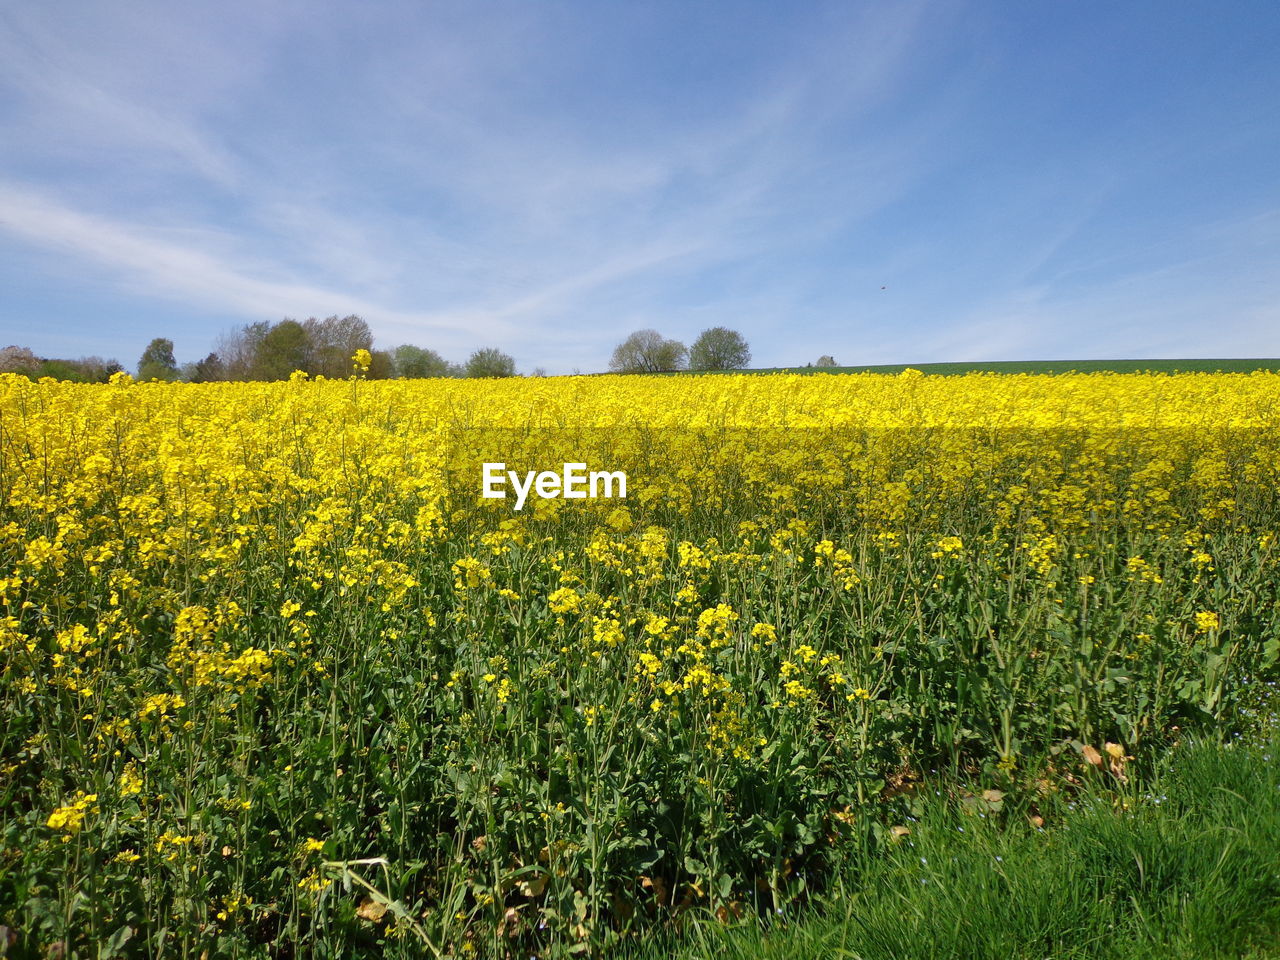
(130, 783)
(1206, 621)
(70, 818)
(716, 624)
(656, 626)
(174, 842)
(763, 630)
(564, 600)
(231, 906)
(161, 704)
(74, 640)
(948, 545)
(313, 882)
(796, 690)
(470, 573)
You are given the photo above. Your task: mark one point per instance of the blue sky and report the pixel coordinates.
(883, 182)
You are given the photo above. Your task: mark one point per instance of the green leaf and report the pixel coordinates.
(724, 886)
(115, 943)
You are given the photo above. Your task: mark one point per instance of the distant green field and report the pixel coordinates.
(1052, 366)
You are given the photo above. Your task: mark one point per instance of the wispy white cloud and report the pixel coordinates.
(1219, 298)
(160, 263)
(73, 103)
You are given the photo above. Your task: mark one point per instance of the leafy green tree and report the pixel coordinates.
(490, 362)
(417, 362)
(719, 348)
(208, 370)
(286, 347)
(382, 366)
(60, 370)
(648, 351)
(157, 361)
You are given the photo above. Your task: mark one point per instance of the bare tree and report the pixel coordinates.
(238, 349)
(648, 351)
(333, 342)
(14, 359)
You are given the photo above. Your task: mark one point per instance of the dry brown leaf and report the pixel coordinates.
(552, 850)
(371, 910)
(534, 886)
(1092, 756)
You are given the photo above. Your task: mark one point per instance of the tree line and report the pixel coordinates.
(319, 348)
(275, 351)
(21, 360)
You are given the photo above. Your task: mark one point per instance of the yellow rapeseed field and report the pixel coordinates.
(277, 677)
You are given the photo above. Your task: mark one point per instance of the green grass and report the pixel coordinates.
(1052, 366)
(1185, 866)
